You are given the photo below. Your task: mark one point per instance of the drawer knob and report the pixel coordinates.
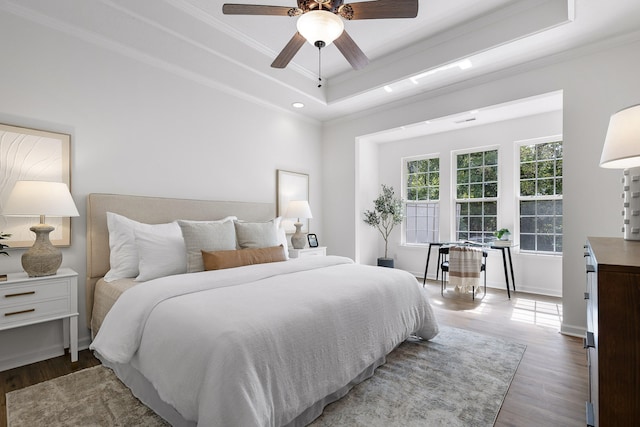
(20, 312)
(20, 294)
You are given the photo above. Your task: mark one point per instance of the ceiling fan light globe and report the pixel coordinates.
(320, 25)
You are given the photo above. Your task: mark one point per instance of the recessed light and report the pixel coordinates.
(297, 105)
(474, 111)
(388, 89)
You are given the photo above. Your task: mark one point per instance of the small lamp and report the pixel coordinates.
(298, 209)
(622, 151)
(41, 198)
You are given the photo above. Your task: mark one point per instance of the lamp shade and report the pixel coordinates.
(320, 25)
(622, 144)
(298, 209)
(35, 198)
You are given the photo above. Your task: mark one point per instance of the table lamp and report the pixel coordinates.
(41, 198)
(298, 209)
(622, 151)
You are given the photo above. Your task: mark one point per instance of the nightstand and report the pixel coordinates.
(302, 253)
(28, 300)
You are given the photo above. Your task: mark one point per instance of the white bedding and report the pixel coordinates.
(257, 345)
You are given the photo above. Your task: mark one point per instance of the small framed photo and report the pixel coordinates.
(313, 240)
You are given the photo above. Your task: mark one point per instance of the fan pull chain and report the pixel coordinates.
(319, 44)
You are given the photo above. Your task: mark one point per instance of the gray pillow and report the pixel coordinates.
(257, 234)
(206, 236)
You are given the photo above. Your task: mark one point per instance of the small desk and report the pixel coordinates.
(502, 249)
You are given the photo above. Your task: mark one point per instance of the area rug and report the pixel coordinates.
(459, 378)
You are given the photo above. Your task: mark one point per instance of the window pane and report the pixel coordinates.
(546, 207)
(434, 164)
(528, 242)
(412, 194)
(475, 191)
(491, 157)
(412, 167)
(546, 169)
(463, 208)
(434, 193)
(476, 175)
(527, 225)
(527, 208)
(490, 223)
(491, 173)
(463, 161)
(491, 189)
(475, 223)
(475, 208)
(527, 170)
(545, 243)
(462, 192)
(490, 208)
(546, 187)
(463, 224)
(463, 176)
(476, 159)
(527, 153)
(541, 224)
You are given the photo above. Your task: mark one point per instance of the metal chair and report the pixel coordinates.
(443, 253)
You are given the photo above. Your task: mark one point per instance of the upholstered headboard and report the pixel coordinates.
(151, 210)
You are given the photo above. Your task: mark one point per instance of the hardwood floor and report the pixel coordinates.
(549, 388)
(551, 385)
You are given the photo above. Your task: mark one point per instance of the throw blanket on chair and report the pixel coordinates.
(464, 267)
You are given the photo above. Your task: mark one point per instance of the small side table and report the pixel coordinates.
(28, 300)
(306, 252)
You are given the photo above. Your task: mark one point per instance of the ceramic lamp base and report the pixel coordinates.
(42, 259)
(299, 239)
(631, 197)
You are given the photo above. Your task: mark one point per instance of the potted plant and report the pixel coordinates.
(386, 214)
(503, 234)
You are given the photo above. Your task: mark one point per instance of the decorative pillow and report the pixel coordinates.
(218, 260)
(282, 236)
(161, 252)
(206, 236)
(123, 256)
(257, 234)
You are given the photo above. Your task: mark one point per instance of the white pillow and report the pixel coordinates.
(256, 234)
(282, 236)
(161, 251)
(123, 256)
(206, 236)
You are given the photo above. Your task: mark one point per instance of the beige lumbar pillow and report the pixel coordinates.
(217, 260)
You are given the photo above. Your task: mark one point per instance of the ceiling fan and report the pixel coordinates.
(320, 23)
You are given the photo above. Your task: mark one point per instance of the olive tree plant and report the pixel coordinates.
(386, 214)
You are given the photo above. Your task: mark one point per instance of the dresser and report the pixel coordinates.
(613, 331)
(29, 300)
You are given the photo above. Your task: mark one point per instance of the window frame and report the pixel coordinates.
(405, 201)
(454, 185)
(520, 198)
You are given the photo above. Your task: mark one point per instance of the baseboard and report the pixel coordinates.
(573, 330)
(39, 355)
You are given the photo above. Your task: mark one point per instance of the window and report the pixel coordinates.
(422, 207)
(541, 197)
(476, 195)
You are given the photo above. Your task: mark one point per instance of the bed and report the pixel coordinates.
(262, 344)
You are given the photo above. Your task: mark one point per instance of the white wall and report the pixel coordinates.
(136, 129)
(500, 135)
(595, 84)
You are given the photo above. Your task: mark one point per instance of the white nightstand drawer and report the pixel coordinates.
(27, 293)
(307, 252)
(21, 313)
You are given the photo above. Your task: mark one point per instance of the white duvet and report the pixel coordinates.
(257, 345)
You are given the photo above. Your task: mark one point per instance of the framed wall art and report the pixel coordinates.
(31, 154)
(291, 186)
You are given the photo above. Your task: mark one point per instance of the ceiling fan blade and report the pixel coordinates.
(351, 51)
(255, 9)
(289, 51)
(380, 9)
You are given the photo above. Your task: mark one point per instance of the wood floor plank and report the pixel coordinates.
(549, 389)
